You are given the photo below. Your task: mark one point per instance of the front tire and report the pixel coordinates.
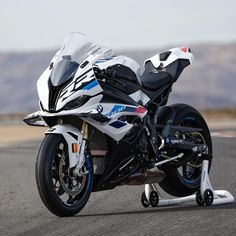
(175, 183)
(62, 194)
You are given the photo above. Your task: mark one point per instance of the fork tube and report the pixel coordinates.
(84, 130)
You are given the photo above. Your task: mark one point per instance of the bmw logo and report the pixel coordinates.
(99, 108)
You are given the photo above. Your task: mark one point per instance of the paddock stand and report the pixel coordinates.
(205, 196)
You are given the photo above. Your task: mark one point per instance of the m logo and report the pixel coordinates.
(115, 109)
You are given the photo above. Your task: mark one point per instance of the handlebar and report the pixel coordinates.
(110, 73)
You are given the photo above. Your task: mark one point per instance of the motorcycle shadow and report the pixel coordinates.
(165, 209)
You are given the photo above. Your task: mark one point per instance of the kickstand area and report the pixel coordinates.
(204, 196)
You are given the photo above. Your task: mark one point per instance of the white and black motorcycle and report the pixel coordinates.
(110, 126)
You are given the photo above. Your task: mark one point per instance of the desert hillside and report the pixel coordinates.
(209, 83)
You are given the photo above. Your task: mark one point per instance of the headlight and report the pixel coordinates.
(78, 102)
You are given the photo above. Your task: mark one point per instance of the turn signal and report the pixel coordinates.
(75, 147)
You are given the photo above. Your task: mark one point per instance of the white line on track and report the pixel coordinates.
(224, 133)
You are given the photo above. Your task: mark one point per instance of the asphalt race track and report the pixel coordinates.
(116, 212)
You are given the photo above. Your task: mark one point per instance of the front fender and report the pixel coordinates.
(72, 136)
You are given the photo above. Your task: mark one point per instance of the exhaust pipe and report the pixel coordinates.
(147, 177)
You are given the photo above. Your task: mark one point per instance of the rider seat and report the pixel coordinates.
(153, 81)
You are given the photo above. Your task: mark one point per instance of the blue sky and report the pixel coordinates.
(43, 24)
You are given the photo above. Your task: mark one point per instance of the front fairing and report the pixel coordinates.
(66, 91)
(70, 74)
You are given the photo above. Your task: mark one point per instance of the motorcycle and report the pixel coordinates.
(111, 126)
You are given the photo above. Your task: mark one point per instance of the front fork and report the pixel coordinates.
(81, 161)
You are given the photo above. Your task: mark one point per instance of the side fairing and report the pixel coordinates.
(115, 127)
(122, 60)
(139, 95)
(133, 88)
(84, 85)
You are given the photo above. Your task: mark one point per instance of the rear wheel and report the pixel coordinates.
(61, 192)
(186, 180)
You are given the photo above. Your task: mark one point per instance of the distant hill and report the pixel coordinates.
(209, 83)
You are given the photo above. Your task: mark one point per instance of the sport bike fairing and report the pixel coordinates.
(69, 86)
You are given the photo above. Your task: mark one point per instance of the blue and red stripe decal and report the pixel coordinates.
(123, 108)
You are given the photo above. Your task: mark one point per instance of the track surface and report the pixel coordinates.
(116, 212)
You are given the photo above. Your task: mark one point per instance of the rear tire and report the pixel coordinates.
(175, 184)
(46, 173)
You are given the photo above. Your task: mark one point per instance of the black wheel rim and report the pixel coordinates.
(68, 189)
(190, 172)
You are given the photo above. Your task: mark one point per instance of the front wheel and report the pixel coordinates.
(186, 180)
(61, 192)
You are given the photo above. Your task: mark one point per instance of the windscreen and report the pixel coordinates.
(74, 50)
